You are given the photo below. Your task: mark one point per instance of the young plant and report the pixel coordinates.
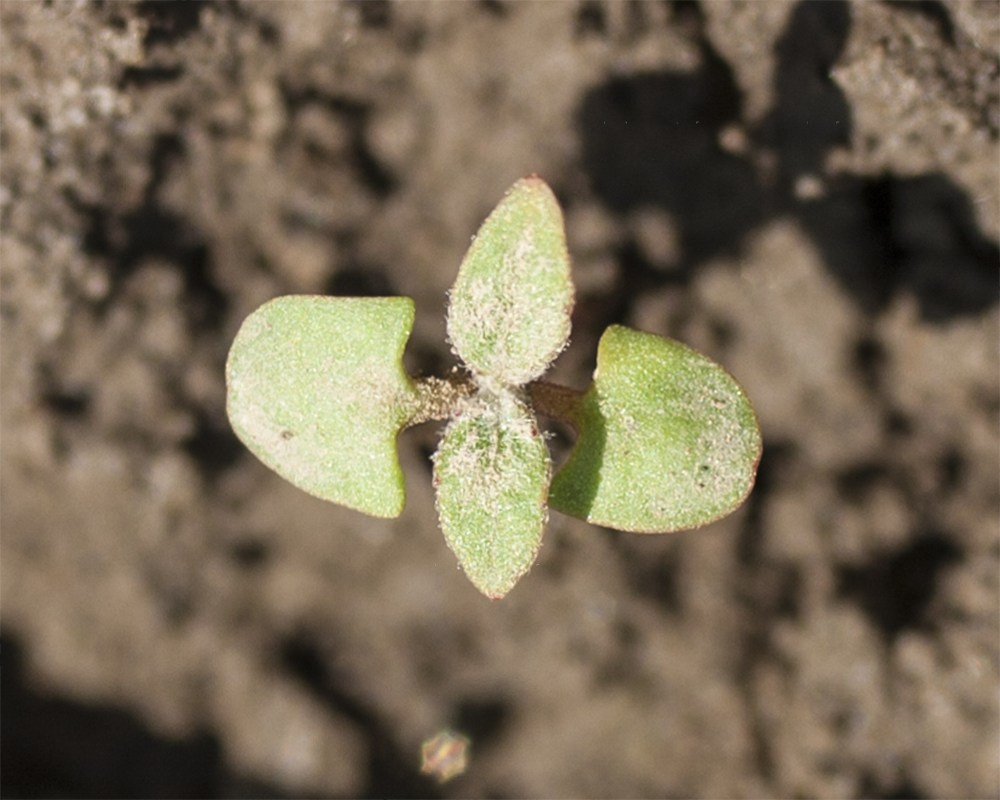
(666, 439)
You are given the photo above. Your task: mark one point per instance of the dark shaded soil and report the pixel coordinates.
(808, 192)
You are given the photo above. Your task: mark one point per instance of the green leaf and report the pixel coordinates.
(667, 439)
(508, 316)
(492, 472)
(317, 391)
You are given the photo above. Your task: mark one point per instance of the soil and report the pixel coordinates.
(807, 192)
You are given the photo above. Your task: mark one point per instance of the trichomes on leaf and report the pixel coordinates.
(666, 438)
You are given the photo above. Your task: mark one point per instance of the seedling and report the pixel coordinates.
(666, 439)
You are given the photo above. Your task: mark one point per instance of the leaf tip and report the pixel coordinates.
(533, 180)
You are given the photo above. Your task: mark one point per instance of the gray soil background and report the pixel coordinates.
(807, 192)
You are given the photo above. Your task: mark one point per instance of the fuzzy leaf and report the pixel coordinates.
(492, 472)
(316, 390)
(668, 440)
(508, 316)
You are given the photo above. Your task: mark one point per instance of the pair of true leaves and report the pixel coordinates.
(666, 438)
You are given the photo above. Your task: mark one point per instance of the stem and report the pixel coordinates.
(558, 402)
(440, 398)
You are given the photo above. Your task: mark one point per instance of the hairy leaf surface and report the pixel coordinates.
(492, 473)
(508, 316)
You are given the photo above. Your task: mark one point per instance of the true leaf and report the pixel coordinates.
(316, 390)
(492, 473)
(508, 315)
(667, 439)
